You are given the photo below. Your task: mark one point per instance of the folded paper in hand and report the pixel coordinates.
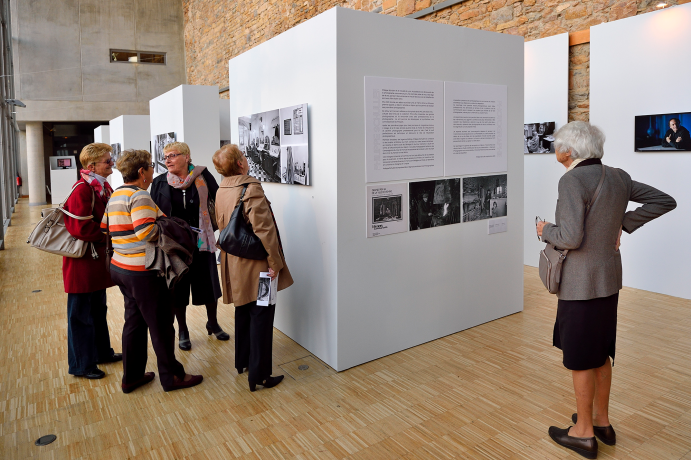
(268, 289)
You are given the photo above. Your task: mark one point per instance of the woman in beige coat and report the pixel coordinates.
(239, 276)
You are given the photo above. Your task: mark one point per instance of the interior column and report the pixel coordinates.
(35, 162)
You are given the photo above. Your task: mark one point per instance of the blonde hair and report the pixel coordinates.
(130, 161)
(92, 153)
(226, 160)
(179, 147)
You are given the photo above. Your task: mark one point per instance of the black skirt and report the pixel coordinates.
(586, 331)
(201, 279)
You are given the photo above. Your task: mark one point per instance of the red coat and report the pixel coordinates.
(86, 274)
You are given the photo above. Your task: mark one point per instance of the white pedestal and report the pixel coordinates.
(356, 299)
(131, 132)
(61, 180)
(102, 134)
(192, 112)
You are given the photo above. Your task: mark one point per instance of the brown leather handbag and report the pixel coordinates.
(552, 259)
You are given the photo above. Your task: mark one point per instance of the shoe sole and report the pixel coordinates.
(581, 452)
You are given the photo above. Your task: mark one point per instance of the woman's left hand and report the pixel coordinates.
(272, 274)
(540, 225)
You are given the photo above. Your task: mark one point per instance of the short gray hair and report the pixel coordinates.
(582, 139)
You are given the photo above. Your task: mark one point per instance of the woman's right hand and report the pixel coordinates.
(272, 274)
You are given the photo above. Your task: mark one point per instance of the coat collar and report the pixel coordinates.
(237, 181)
(589, 161)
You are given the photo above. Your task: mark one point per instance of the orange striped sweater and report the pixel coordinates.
(131, 214)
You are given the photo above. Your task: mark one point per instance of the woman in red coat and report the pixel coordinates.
(86, 278)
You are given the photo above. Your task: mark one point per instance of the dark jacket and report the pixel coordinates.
(592, 267)
(86, 274)
(161, 193)
(683, 144)
(171, 254)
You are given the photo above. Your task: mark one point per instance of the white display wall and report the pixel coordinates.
(192, 112)
(655, 257)
(546, 99)
(102, 134)
(131, 132)
(355, 298)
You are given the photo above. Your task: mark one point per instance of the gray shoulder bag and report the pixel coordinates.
(552, 259)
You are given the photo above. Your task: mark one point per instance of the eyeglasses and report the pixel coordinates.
(109, 161)
(537, 219)
(171, 156)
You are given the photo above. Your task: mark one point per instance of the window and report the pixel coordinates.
(143, 57)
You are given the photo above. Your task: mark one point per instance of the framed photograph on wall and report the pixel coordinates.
(161, 141)
(538, 137)
(484, 197)
(667, 132)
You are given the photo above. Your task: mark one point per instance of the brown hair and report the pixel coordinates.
(226, 160)
(130, 161)
(93, 152)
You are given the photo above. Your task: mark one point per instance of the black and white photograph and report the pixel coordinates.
(260, 137)
(435, 203)
(161, 140)
(484, 197)
(297, 120)
(264, 290)
(117, 150)
(387, 208)
(538, 137)
(295, 164)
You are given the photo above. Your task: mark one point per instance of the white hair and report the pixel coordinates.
(582, 139)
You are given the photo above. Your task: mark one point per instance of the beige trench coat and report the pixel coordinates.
(240, 277)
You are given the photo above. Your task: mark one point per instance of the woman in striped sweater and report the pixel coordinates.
(130, 217)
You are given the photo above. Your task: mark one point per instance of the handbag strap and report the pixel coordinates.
(590, 204)
(61, 206)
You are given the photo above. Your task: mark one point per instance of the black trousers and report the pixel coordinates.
(254, 329)
(148, 307)
(88, 339)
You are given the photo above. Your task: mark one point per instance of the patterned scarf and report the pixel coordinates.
(103, 191)
(206, 240)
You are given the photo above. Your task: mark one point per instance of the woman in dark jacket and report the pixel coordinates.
(86, 278)
(185, 192)
(586, 324)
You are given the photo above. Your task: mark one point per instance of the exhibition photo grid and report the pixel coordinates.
(276, 145)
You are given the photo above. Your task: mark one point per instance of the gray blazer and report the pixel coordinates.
(592, 267)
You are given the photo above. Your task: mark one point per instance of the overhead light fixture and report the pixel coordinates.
(16, 102)
(661, 5)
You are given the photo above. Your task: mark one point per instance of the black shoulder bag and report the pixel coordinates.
(238, 238)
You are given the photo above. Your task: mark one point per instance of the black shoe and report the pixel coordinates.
(94, 374)
(217, 331)
(240, 370)
(146, 378)
(605, 434)
(180, 383)
(184, 340)
(586, 447)
(113, 359)
(268, 383)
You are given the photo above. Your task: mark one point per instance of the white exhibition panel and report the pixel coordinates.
(192, 112)
(306, 216)
(655, 257)
(131, 132)
(546, 99)
(224, 118)
(355, 298)
(102, 134)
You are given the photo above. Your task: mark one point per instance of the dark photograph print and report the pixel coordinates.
(538, 137)
(117, 150)
(161, 141)
(434, 203)
(260, 141)
(663, 133)
(386, 208)
(484, 197)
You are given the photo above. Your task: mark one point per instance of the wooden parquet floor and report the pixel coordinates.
(489, 392)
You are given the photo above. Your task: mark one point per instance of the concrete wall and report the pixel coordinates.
(62, 63)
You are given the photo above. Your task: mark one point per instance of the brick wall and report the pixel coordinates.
(217, 30)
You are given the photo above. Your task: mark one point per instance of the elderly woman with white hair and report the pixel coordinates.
(586, 324)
